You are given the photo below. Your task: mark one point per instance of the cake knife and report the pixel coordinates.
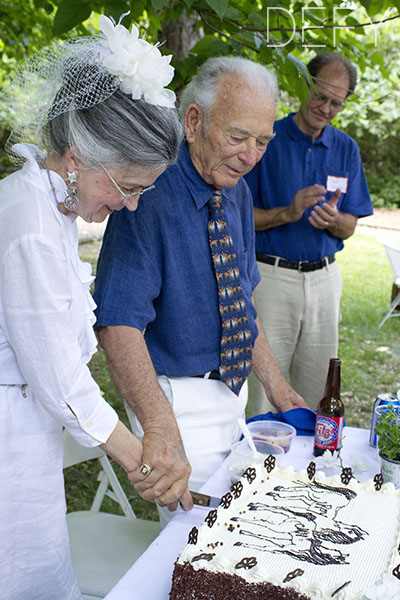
(205, 500)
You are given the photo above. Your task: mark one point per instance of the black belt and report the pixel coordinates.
(210, 375)
(302, 265)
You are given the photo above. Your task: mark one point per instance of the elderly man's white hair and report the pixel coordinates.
(203, 88)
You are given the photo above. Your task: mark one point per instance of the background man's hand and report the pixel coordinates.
(325, 215)
(309, 196)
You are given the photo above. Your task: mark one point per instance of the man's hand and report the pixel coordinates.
(286, 398)
(281, 215)
(136, 379)
(267, 370)
(325, 215)
(309, 196)
(167, 482)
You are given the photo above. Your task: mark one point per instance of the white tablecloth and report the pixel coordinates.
(150, 576)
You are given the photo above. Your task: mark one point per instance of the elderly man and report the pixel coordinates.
(174, 287)
(309, 189)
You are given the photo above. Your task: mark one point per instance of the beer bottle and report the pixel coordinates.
(330, 413)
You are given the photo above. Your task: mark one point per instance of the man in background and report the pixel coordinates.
(308, 190)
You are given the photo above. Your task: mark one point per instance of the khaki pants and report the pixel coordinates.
(300, 316)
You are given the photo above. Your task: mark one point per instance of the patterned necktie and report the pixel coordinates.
(235, 349)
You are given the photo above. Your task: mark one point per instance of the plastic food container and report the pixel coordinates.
(242, 456)
(273, 432)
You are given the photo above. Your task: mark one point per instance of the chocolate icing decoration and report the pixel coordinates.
(203, 556)
(211, 517)
(378, 479)
(236, 489)
(340, 588)
(293, 575)
(250, 474)
(226, 500)
(269, 463)
(346, 475)
(231, 527)
(248, 562)
(311, 470)
(396, 572)
(316, 523)
(193, 535)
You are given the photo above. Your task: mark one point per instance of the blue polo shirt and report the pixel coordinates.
(155, 271)
(292, 162)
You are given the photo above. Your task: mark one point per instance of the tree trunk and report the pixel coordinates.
(181, 35)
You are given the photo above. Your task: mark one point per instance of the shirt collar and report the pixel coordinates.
(200, 190)
(296, 134)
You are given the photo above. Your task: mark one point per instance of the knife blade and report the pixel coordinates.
(205, 500)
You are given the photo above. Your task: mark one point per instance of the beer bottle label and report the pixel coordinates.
(328, 432)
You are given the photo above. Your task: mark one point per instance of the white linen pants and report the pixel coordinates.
(299, 313)
(206, 412)
(35, 561)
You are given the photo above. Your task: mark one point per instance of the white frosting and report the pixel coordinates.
(335, 533)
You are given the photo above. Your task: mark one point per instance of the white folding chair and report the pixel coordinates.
(393, 253)
(103, 545)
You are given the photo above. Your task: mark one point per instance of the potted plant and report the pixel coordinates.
(388, 430)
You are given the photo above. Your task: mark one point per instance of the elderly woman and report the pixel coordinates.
(99, 107)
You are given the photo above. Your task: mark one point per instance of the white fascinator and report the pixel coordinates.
(79, 73)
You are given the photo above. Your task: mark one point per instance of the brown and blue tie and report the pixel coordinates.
(236, 348)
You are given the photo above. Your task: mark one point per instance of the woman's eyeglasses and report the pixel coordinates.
(126, 197)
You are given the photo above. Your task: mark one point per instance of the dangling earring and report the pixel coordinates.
(71, 193)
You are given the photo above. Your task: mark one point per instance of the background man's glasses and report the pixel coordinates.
(319, 99)
(126, 197)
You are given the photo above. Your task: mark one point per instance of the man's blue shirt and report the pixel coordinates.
(155, 271)
(292, 162)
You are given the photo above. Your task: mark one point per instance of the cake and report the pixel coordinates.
(282, 534)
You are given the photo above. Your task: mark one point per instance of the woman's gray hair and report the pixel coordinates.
(117, 132)
(203, 88)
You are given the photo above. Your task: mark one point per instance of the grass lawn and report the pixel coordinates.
(370, 356)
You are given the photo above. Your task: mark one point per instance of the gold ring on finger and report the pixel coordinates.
(145, 470)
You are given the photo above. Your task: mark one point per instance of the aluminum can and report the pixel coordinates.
(381, 400)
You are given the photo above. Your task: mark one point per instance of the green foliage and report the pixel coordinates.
(70, 13)
(282, 35)
(388, 430)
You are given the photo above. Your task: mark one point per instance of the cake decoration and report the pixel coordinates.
(248, 562)
(396, 572)
(250, 474)
(346, 475)
(269, 463)
(293, 575)
(203, 556)
(236, 489)
(340, 588)
(226, 500)
(211, 517)
(378, 479)
(311, 470)
(316, 539)
(193, 535)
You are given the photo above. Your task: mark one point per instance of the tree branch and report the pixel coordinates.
(239, 25)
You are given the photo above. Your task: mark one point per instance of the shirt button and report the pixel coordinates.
(309, 150)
